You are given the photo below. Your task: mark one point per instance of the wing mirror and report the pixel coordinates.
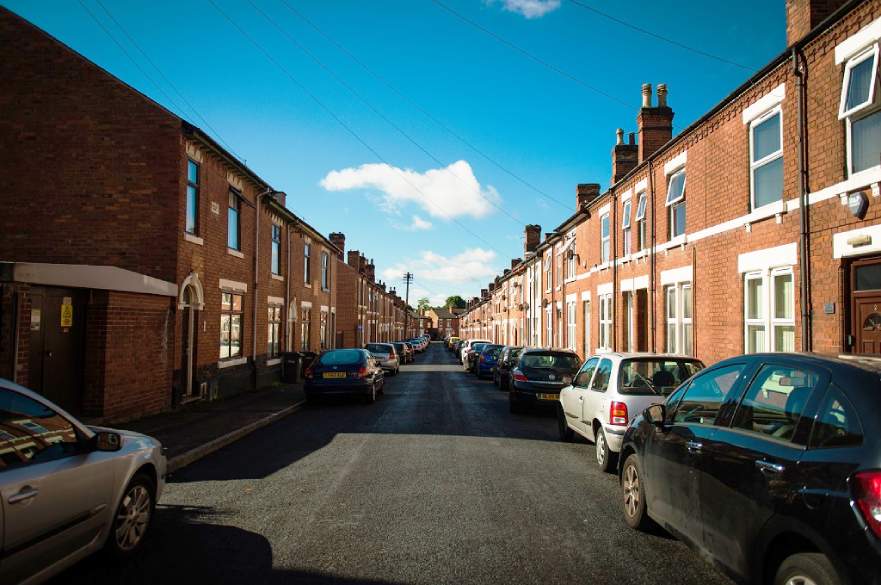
(655, 414)
(107, 441)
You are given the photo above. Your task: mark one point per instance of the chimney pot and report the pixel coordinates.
(646, 95)
(631, 138)
(619, 136)
(662, 95)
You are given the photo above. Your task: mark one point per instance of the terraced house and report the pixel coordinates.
(754, 229)
(144, 265)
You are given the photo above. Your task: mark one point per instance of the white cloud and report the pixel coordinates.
(531, 8)
(445, 193)
(461, 274)
(418, 224)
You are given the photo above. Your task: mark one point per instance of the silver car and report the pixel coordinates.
(69, 490)
(387, 356)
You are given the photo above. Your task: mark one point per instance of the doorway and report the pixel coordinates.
(865, 306)
(190, 303)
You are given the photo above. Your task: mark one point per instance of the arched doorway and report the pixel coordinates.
(190, 302)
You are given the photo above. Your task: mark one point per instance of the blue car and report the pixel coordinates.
(486, 361)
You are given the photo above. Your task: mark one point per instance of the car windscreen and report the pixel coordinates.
(492, 350)
(378, 348)
(655, 375)
(341, 357)
(550, 360)
(477, 347)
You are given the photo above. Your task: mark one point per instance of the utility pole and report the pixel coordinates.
(408, 278)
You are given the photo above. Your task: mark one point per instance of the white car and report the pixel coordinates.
(387, 356)
(611, 389)
(463, 351)
(69, 490)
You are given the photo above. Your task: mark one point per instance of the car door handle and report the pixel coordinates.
(694, 446)
(25, 493)
(769, 467)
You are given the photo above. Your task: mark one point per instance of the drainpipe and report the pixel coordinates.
(652, 261)
(256, 276)
(613, 228)
(289, 331)
(16, 318)
(804, 264)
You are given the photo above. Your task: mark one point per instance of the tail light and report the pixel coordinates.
(308, 374)
(518, 376)
(867, 492)
(482, 358)
(618, 413)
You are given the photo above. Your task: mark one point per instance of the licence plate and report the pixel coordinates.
(331, 375)
(548, 396)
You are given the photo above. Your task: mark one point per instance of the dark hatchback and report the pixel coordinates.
(506, 362)
(473, 354)
(538, 377)
(486, 361)
(344, 372)
(768, 464)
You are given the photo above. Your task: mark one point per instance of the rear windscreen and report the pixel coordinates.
(341, 357)
(549, 360)
(378, 348)
(652, 375)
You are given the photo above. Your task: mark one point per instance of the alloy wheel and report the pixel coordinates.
(601, 448)
(133, 517)
(800, 580)
(631, 493)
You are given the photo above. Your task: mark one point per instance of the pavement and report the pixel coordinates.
(434, 483)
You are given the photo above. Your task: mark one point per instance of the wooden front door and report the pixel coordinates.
(866, 306)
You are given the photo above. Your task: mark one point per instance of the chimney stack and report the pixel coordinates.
(362, 264)
(371, 270)
(484, 294)
(803, 15)
(352, 258)
(585, 193)
(533, 237)
(624, 156)
(514, 263)
(655, 123)
(339, 240)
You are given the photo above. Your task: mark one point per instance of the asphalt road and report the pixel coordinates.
(434, 483)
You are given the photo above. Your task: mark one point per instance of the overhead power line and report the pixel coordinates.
(382, 79)
(543, 62)
(655, 35)
(331, 113)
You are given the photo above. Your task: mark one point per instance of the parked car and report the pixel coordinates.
(767, 464)
(472, 354)
(344, 372)
(451, 341)
(419, 344)
(404, 351)
(457, 346)
(463, 351)
(387, 355)
(610, 390)
(69, 489)
(538, 377)
(504, 364)
(485, 364)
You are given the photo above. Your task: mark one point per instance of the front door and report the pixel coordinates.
(57, 326)
(866, 306)
(188, 345)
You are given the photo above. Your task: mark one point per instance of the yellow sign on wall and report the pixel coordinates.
(67, 312)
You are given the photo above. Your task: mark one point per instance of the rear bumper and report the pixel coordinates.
(353, 387)
(391, 365)
(530, 397)
(485, 370)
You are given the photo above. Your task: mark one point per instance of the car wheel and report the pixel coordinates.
(806, 569)
(633, 494)
(605, 457)
(133, 517)
(566, 433)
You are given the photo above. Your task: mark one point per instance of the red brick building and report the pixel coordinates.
(755, 228)
(144, 265)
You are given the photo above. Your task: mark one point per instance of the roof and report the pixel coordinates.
(443, 313)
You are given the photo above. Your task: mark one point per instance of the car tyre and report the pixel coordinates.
(604, 456)
(133, 518)
(633, 495)
(807, 568)
(567, 435)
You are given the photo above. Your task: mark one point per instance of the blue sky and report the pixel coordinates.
(425, 201)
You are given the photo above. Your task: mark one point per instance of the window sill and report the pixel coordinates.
(277, 277)
(235, 253)
(193, 239)
(273, 362)
(229, 363)
(307, 284)
(677, 241)
(603, 266)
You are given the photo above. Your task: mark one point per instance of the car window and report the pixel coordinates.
(341, 357)
(601, 379)
(586, 373)
(32, 432)
(550, 360)
(652, 375)
(837, 424)
(705, 395)
(775, 400)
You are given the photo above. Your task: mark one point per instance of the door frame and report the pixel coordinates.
(189, 304)
(852, 296)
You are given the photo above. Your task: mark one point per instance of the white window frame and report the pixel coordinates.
(549, 315)
(605, 240)
(549, 275)
(606, 322)
(768, 305)
(570, 263)
(625, 227)
(641, 203)
(677, 319)
(863, 110)
(629, 342)
(570, 325)
(585, 311)
(755, 165)
(675, 202)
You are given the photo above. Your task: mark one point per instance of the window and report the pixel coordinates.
(274, 331)
(603, 375)
(769, 305)
(33, 432)
(585, 309)
(641, 241)
(548, 273)
(230, 325)
(679, 311)
(605, 321)
(625, 227)
(705, 395)
(766, 159)
(323, 329)
(837, 424)
(550, 328)
(628, 321)
(325, 271)
(192, 217)
(307, 264)
(570, 325)
(570, 262)
(676, 203)
(305, 328)
(860, 110)
(233, 227)
(583, 378)
(605, 249)
(276, 249)
(774, 403)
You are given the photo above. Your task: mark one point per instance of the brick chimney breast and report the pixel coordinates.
(532, 234)
(624, 156)
(338, 239)
(514, 262)
(352, 258)
(585, 193)
(802, 16)
(654, 123)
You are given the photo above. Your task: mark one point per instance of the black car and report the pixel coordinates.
(473, 354)
(506, 362)
(768, 464)
(538, 376)
(344, 372)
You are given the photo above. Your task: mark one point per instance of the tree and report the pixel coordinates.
(455, 302)
(423, 305)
